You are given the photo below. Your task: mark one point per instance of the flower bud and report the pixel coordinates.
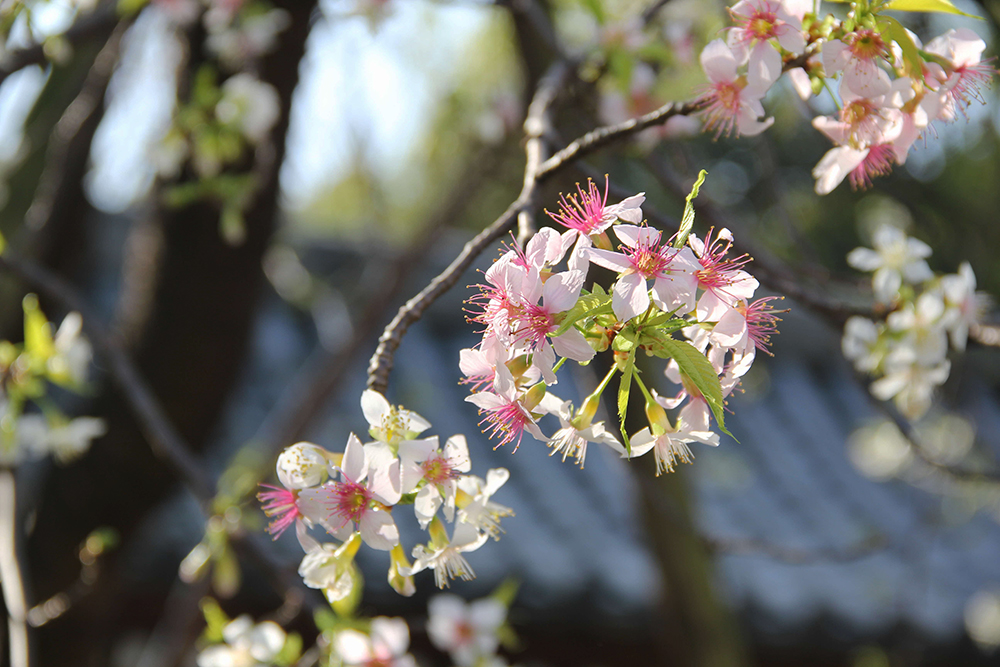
(659, 423)
(302, 465)
(534, 396)
(398, 565)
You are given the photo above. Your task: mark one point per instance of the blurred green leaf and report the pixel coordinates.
(37, 331)
(938, 6)
(215, 620)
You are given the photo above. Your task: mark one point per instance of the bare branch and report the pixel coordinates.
(607, 134)
(381, 362)
(162, 436)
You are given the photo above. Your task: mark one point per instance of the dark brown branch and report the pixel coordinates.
(52, 183)
(381, 362)
(97, 25)
(607, 134)
(322, 375)
(163, 438)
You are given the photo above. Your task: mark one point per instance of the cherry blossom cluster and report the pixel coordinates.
(891, 87)
(469, 632)
(217, 130)
(907, 351)
(352, 495)
(31, 425)
(534, 315)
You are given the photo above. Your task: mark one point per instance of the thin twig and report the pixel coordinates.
(11, 576)
(162, 436)
(321, 376)
(650, 12)
(607, 134)
(906, 428)
(412, 310)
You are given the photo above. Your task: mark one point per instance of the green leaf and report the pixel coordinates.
(215, 620)
(895, 31)
(699, 370)
(348, 605)
(939, 6)
(226, 575)
(588, 305)
(130, 7)
(623, 391)
(596, 9)
(687, 220)
(326, 620)
(290, 652)
(37, 330)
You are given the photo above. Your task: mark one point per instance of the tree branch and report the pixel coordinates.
(381, 362)
(164, 439)
(98, 24)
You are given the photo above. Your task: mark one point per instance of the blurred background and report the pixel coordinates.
(250, 273)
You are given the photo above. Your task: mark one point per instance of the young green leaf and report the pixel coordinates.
(588, 305)
(37, 330)
(695, 366)
(940, 6)
(895, 31)
(623, 391)
(687, 220)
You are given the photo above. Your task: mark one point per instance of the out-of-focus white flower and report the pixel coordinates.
(965, 305)
(247, 645)
(908, 382)
(329, 567)
(921, 325)
(250, 104)
(860, 344)
(466, 631)
(250, 37)
(385, 645)
(73, 351)
(895, 259)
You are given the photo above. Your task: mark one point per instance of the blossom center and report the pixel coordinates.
(867, 45)
(647, 257)
(438, 469)
(761, 25)
(350, 500)
(583, 211)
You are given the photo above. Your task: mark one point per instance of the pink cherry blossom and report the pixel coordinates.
(858, 57)
(732, 101)
(352, 505)
(643, 257)
(504, 411)
(757, 23)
